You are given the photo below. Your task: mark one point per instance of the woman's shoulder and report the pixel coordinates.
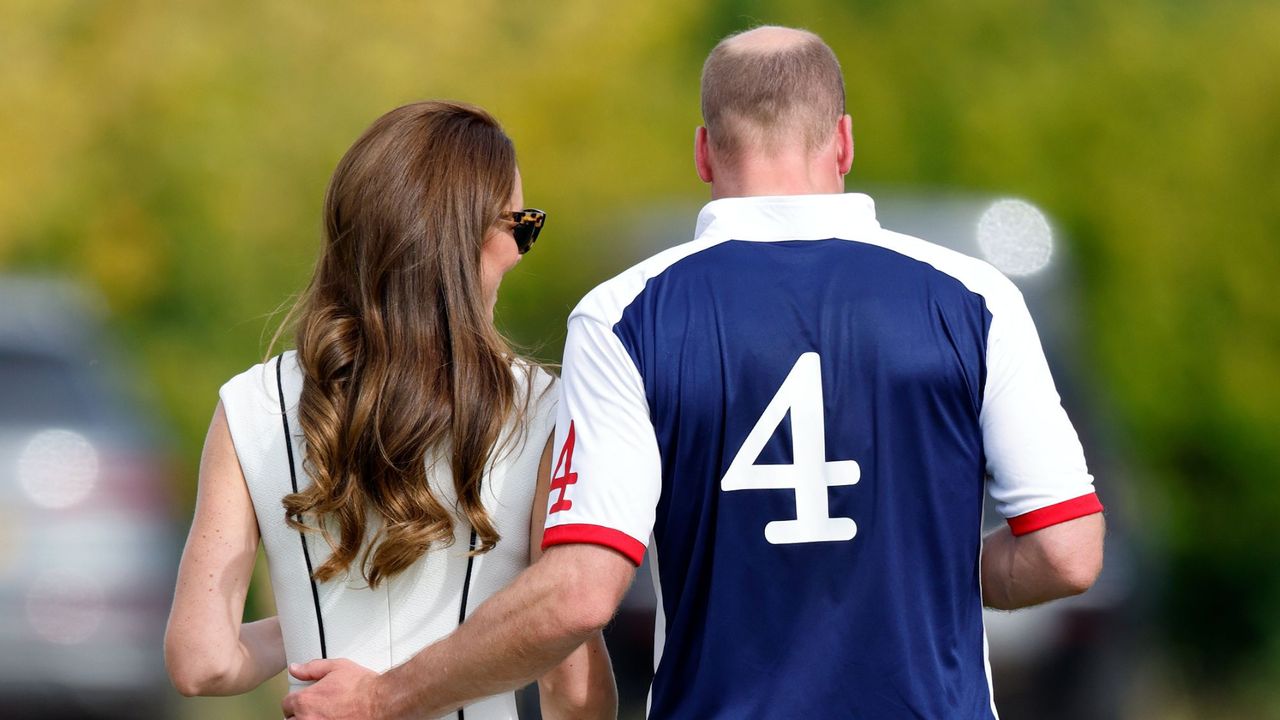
(539, 393)
(536, 379)
(251, 404)
(257, 388)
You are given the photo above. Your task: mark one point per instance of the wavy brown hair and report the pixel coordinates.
(400, 359)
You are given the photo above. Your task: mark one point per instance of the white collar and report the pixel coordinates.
(787, 217)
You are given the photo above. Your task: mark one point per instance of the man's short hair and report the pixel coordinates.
(766, 95)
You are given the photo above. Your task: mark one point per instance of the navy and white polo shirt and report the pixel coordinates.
(795, 414)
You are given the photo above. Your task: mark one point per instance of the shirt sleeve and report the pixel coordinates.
(607, 474)
(1037, 467)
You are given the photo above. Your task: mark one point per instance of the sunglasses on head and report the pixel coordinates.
(528, 223)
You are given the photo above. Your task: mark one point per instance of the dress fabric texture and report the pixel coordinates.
(383, 627)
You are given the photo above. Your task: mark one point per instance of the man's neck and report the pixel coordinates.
(752, 177)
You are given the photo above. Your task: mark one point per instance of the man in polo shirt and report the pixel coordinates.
(795, 415)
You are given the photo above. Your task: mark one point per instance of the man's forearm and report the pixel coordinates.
(1052, 563)
(510, 640)
(1001, 586)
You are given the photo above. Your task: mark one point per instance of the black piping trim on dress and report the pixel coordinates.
(293, 478)
(466, 590)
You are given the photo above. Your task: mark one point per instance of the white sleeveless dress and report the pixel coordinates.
(384, 627)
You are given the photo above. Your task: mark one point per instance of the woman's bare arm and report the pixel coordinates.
(582, 686)
(207, 650)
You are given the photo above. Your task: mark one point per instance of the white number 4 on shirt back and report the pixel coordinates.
(810, 473)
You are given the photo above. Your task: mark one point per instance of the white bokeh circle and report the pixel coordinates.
(1015, 236)
(58, 468)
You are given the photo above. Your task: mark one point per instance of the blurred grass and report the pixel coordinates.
(174, 156)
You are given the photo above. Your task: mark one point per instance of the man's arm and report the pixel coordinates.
(1051, 563)
(512, 638)
(582, 685)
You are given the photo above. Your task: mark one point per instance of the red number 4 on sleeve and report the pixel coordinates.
(561, 482)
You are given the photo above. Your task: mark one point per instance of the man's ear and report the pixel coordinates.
(702, 154)
(844, 144)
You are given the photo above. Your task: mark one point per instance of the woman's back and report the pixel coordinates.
(417, 437)
(380, 628)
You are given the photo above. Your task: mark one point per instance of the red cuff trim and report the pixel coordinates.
(595, 535)
(1056, 513)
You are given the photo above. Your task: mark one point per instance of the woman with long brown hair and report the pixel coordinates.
(395, 466)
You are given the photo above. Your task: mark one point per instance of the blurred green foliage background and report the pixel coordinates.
(174, 155)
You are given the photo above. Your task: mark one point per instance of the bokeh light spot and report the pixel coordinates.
(1015, 237)
(58, 468)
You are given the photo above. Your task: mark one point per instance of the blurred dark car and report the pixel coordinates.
(87, 539)
(1072, 658)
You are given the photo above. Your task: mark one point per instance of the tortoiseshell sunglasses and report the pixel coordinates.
(528, 223)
